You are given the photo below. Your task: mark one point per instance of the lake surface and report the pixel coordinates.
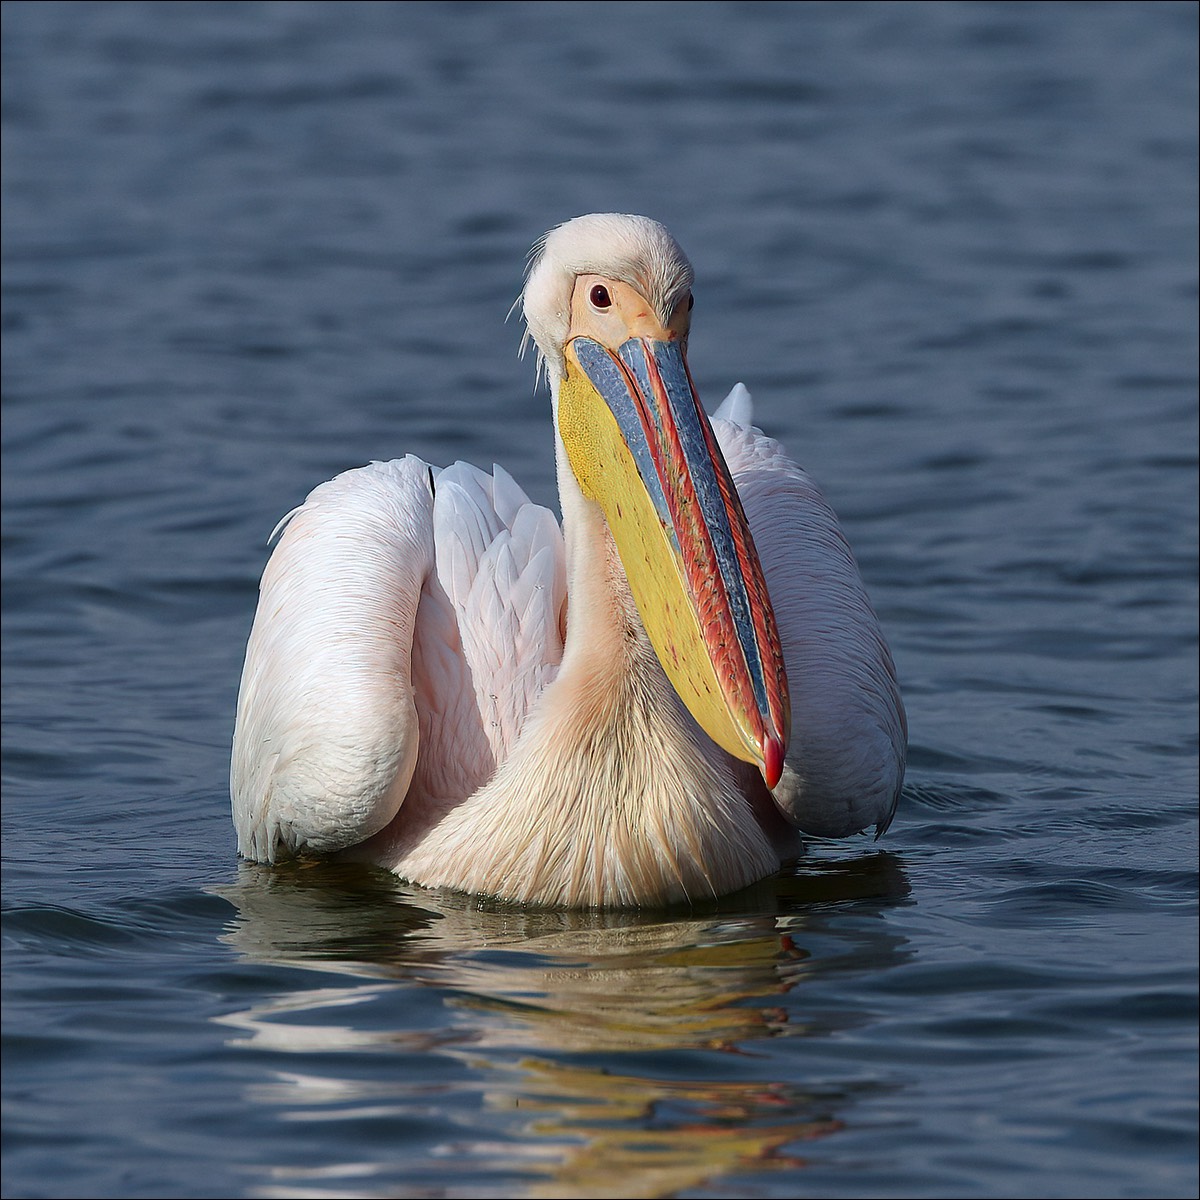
(951, 250)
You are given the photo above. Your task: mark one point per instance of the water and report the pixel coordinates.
(950, 248)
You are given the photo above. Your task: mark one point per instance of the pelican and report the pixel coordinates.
(647, 705)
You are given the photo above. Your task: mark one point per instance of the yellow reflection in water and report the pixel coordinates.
(624, 1148)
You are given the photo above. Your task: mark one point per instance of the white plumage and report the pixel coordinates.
(437, 682)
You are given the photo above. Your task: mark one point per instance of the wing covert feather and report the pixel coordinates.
(501, 561)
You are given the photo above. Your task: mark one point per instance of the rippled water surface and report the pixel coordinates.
(950, 248)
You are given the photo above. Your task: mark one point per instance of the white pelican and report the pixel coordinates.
(642, 708)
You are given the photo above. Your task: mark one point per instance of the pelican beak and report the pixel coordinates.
(642, 448)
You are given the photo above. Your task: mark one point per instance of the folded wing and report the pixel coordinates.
(845, 760)
(407, 619)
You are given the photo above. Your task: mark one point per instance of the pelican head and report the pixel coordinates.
(607, 303)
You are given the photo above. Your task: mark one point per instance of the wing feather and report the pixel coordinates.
(736, 408)
(326, 738)
(508, 498)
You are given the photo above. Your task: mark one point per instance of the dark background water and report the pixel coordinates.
(951, 249)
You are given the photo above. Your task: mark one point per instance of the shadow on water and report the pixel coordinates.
(581, 1053)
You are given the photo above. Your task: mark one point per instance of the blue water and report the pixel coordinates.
(951, 250)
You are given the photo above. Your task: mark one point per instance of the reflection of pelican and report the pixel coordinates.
(553, 981)
(418, 688)
(553, 1052)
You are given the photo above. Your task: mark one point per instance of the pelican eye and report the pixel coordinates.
(691, 301)
(599, 297)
